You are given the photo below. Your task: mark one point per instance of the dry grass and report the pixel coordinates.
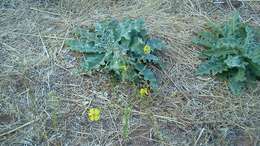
(44, 98)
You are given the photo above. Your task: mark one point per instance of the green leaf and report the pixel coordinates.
(77, 45)
(137, 45)
(249, 43)
(206, 39)
(233, 25)
(251, 47)
(215, 28)
(132, 26)
(232, 52)
(84, 34)
(235, 61)
(254, 68)
(93, 61)
(149, 76)
(124, 43)
(115, 65)
(212, 66)
(230, 43)
(151, 58)
(155, 44)
(235, 86)
(140, 67)
(240, 75)
(256, 57)
(136, 25)
(118, 48)
(218, 52)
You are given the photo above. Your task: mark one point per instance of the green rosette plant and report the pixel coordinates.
(124, 49)
(232, 52)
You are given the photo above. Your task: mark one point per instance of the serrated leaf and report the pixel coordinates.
(256, 57)
(240, 75)
(132, 26)
(254, 68)
(230, 43)
(249, 43)
(233, 52)
(136, 25)
(212, 66)
(235, 61)
(151, 58)
(84, 34)
(235, 86)
(140, 67)
(137, 45)
(92, 61)
(115, 65)
(149, 76)
(233, 25)
(124, 44)
(218, 52)
(215, 28)
(206, 39)
(155, 44)
(77, 45)
(118, 48)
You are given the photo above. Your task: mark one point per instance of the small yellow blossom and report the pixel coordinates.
(147, 49)
(144, 91)
(94, 114)
(123, 67)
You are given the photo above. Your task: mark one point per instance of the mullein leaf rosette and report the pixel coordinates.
(232, 52)
(122, 48)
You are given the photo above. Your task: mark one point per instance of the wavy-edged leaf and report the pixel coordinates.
(218, 52)
(256, 56)
(251, 47)
(93, 61)
(155, 44)
(79, 46)
(118, 47)
(150, 76)
(235, 86)
(235, 61)
(124, 44)
(130, 26)
(254, 68)
(137, 45)
(212, 66)
(249, 43)
(240, 75)
(151, 58)
(233, 25)
(233, 52)
(230, 43)
(206, 39)
(139, 66)
(215, 28)
(85, 34)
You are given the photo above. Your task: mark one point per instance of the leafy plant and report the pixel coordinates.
(124, 49)
(232, 52)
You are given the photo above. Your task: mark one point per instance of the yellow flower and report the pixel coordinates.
(123, 67)
(94, 114)
(147, 49)
(144, 91)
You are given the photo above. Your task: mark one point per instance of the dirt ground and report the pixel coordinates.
(44, 97)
